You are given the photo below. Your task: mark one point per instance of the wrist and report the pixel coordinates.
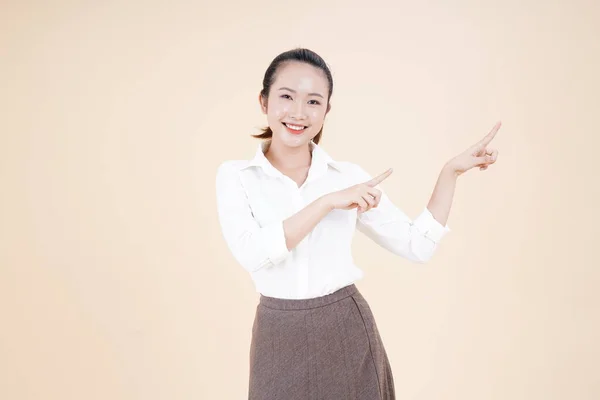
(325, 203)
(450, 170)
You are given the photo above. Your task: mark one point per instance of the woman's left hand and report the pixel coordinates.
(478, 155)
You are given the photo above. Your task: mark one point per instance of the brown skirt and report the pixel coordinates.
(324, 348)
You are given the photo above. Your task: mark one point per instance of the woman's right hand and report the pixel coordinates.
(363, 196)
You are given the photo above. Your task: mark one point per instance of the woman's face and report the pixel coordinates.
(297, 103)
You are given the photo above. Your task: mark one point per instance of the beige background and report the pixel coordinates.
(115, 282)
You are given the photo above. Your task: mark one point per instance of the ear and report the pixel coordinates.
(263, 103)
(328, 108)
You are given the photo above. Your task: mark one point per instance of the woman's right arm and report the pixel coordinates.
(304, 221)
(256, 247)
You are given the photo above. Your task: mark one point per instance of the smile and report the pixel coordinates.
(295, 129)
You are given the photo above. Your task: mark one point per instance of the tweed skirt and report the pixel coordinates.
(324, 348)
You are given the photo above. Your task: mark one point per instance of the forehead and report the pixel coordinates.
(301, 77)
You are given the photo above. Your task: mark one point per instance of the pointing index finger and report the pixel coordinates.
(488, 138)
(380, 178)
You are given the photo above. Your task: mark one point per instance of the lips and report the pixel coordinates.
(293, 129)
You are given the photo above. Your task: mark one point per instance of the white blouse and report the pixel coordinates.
(254, 198)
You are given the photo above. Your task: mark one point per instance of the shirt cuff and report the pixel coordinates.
(274, 238)
(430, 226)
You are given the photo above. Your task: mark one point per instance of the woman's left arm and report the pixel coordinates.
(418, 239)
(478, 155)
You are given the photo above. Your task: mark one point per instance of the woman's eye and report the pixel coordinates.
(312, 102)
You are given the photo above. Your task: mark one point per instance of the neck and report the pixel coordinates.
(288, 157)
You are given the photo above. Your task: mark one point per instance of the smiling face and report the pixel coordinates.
(297, 103)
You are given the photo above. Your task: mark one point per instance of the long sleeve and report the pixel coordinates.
(252, 245)
(392, 229)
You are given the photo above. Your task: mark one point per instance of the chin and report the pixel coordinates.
(295, 140)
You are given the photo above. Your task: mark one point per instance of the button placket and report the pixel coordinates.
(302, 248)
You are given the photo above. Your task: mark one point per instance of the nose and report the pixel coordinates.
(297, 111)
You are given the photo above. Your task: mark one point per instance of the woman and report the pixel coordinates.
(288, 216)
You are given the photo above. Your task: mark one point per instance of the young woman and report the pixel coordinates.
(288, 216)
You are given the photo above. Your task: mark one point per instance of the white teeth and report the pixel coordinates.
(295, 127)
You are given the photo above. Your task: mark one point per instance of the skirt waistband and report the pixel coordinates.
(303, 304)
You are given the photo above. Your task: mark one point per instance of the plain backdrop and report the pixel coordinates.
(115, 281)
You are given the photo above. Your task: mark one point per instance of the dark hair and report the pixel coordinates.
(300, 55)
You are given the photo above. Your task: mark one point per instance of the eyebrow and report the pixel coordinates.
(293, 91)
